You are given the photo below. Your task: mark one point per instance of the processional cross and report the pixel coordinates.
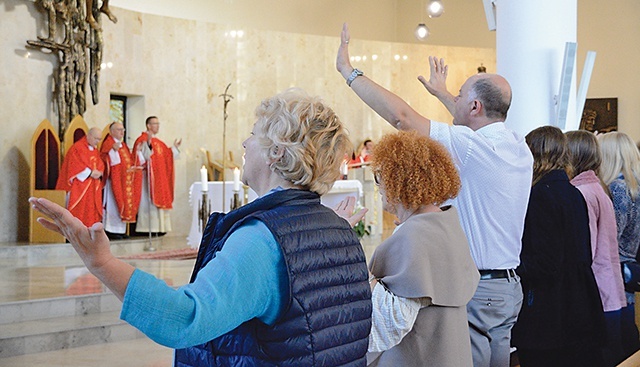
(226, 97)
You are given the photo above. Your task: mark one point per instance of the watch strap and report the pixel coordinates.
(354, 74)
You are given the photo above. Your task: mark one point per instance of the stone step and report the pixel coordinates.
(26, 255)
(51, 334)
(29, 272)
(49, 301)
(42, 309)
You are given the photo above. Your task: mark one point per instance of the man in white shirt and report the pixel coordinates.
(495, 167)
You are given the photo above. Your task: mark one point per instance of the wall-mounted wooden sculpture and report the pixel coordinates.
(80, 22)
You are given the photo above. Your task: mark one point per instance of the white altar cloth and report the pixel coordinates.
(341, 190)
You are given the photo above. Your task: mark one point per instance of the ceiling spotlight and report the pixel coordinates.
(435, 9)
(422, 32)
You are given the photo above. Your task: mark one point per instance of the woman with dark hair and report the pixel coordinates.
(585, 158)
(423, 275)
(561, 322)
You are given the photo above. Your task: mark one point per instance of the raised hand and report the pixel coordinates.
(436, 84)
(92, 244)
(343, 64)
(345, 209)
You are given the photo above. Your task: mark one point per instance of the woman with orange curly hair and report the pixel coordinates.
(423, 275)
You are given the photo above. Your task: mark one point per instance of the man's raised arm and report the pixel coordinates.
(386, 104)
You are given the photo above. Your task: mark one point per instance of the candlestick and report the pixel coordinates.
(236, 179)
(204, 179)
(235, 201)
(246, 194)
(204, 211)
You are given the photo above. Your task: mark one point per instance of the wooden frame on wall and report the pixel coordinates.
(600, 114)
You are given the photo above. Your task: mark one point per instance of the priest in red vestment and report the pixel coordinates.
(122, 189)
(157, 179)
(80, 176)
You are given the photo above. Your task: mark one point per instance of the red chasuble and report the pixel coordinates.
(160, 171)
(85, 198)
(126, 183)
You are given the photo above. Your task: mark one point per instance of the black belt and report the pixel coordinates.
(497, 274)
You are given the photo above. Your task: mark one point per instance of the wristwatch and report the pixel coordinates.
(354, 74)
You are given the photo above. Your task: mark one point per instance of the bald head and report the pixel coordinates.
(116, 130)
(93, 136)
(494, 92)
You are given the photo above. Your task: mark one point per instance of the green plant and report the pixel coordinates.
(361, 229)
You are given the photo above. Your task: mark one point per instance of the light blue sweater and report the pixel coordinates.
(247, 279)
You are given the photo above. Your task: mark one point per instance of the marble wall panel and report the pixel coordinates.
(178, 68)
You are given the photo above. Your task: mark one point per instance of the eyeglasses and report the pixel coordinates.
(376, 178)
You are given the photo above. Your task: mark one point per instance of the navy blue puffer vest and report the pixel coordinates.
(328, 315)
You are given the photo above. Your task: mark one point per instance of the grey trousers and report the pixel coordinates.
(492, 312)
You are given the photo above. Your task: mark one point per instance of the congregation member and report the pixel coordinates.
(281, 281)
(487, 155)
(122, 189)
(585, 160)
(366, 151)
(561, 322)
(81, 177)
(158, 179)
(423, 275)
(620, 172)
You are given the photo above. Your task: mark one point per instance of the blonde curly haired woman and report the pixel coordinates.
(281, 281)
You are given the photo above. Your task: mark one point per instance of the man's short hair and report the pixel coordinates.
(146, 122)
(496, 104)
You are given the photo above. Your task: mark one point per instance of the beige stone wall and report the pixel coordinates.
(176, 69)
(612, 29)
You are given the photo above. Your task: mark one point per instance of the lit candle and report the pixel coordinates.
(204, 179)
(236, 179)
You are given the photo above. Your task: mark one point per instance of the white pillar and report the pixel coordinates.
(530, 43)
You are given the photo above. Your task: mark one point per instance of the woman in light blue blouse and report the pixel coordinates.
(620, 172)
(281, 281)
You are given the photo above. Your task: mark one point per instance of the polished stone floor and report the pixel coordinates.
(48, 271)
(133, 353)
(39, 273)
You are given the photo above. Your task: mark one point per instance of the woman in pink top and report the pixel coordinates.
(585, 158)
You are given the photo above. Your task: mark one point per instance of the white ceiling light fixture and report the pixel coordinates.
(435, 8)
(422, 32)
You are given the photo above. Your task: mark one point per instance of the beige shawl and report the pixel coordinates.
(428, 256)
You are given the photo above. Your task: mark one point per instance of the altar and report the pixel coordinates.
(340, 190)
